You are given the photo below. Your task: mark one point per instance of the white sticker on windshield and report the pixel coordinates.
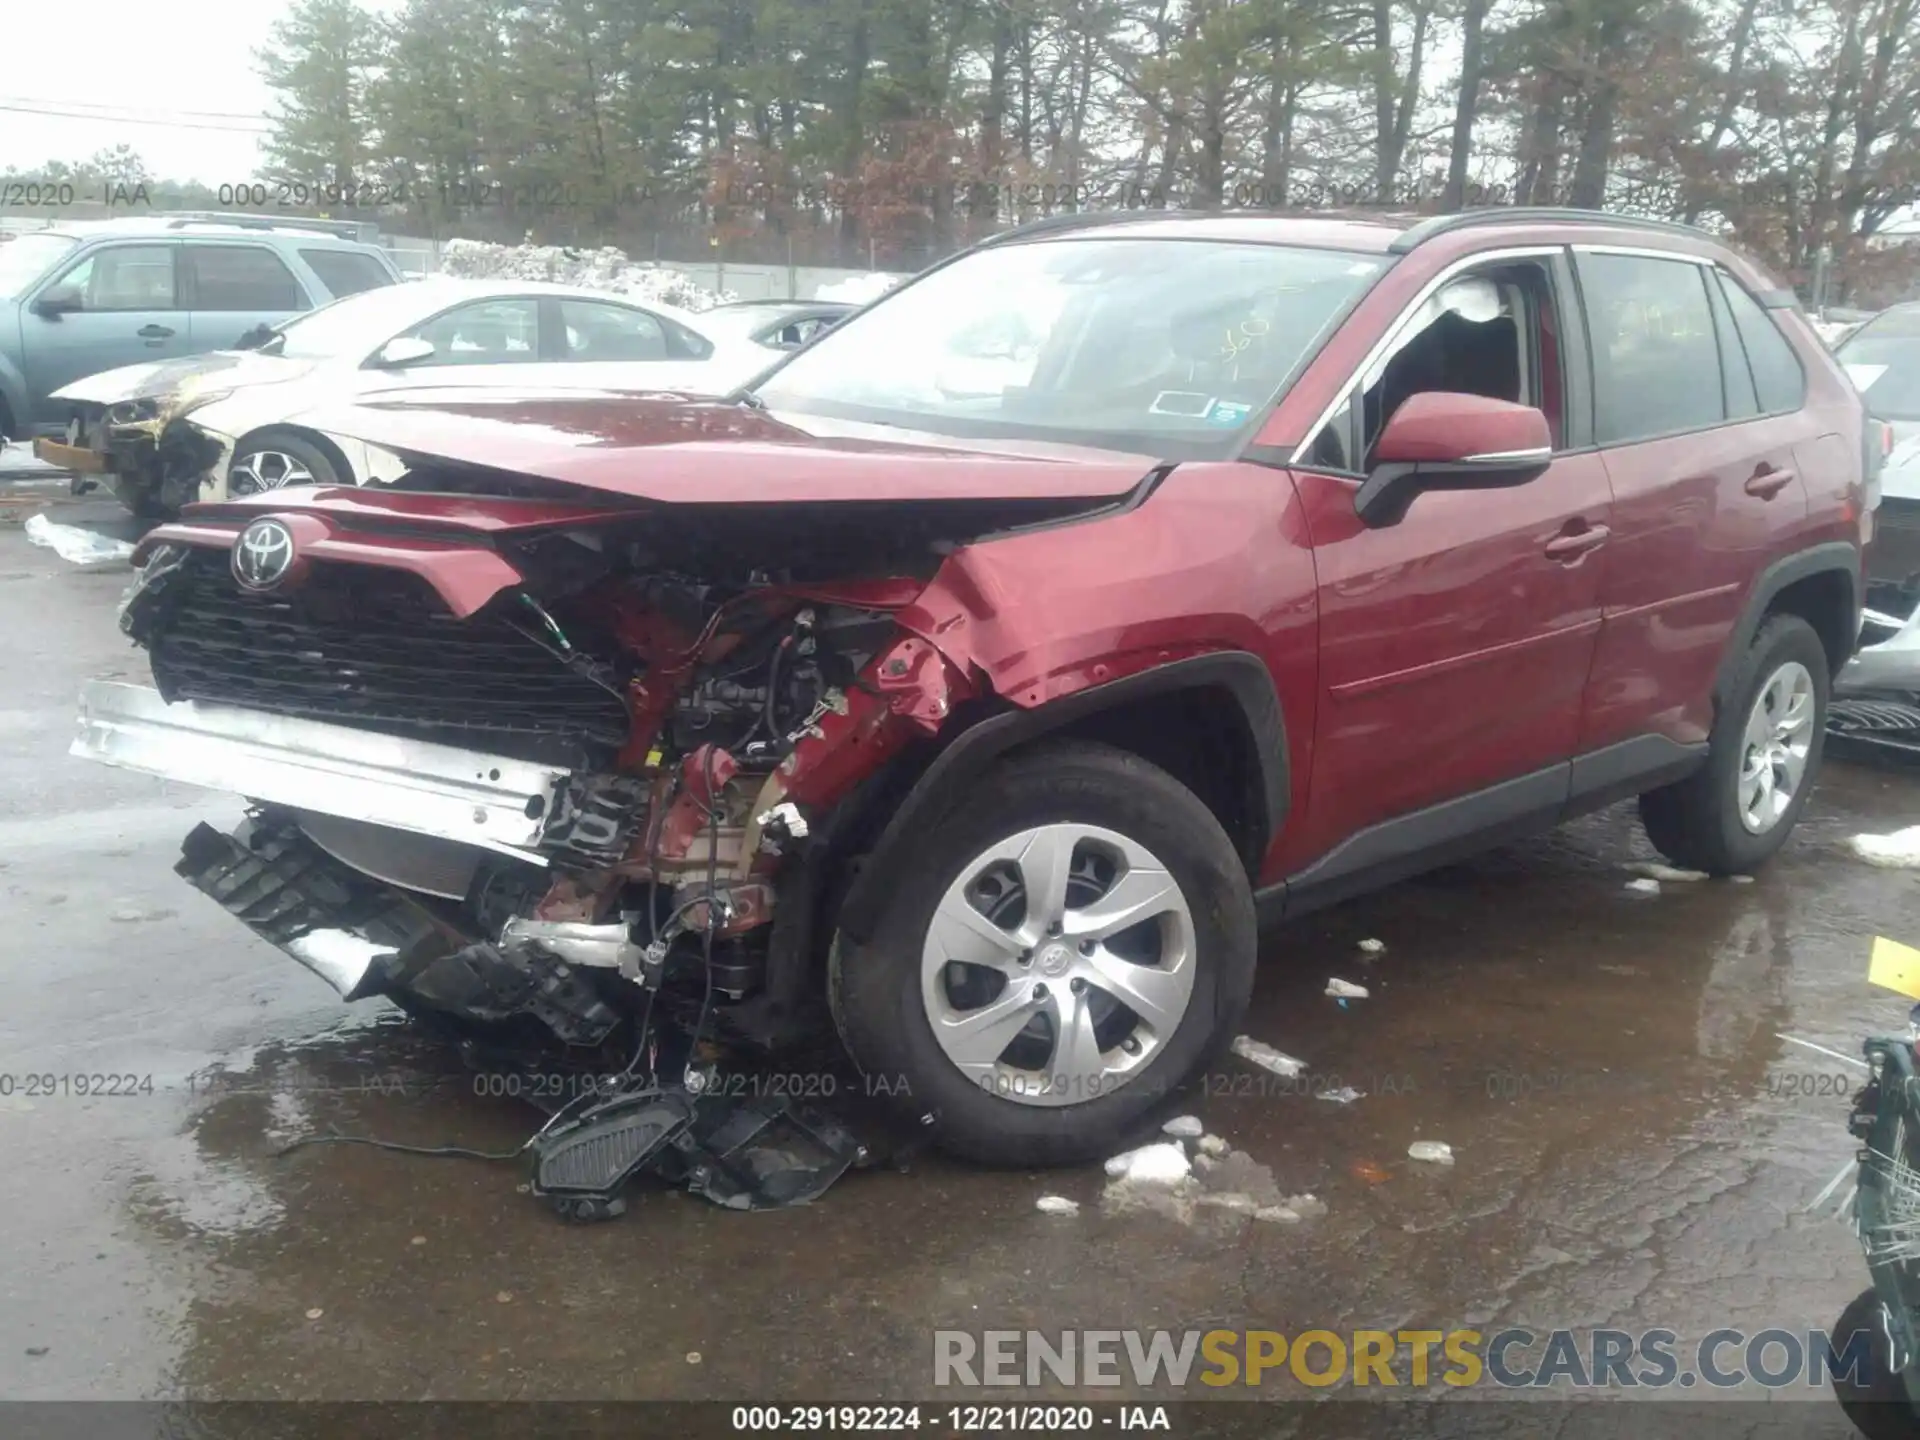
(1863, 376)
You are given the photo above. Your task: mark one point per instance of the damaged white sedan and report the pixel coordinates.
(248, 406)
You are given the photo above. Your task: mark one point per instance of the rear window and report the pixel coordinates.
(346, 272)
(240, 277)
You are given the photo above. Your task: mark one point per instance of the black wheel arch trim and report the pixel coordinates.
(948, 775)
(1831, 557)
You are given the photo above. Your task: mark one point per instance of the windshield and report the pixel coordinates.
(26, 258)
(1883, 360)
(1166, 347)
(357, 325)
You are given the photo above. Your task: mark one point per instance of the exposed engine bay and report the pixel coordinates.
(589, 809)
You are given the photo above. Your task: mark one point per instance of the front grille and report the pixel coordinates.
(377, 649)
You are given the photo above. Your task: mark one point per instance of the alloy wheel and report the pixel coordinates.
(1778, 737)
(260, 470)
(1057, 963)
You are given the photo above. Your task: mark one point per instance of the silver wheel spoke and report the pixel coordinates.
(1157, 996)
(1077, 1062)
(965, 935)
(1045, 865)
(973, 1039)
(1136, 896)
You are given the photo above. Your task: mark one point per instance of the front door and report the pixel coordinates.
(1454, 645)
(129, 314)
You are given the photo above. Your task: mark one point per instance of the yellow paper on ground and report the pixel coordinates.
(1895, 967)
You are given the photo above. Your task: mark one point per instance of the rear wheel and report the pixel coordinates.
(1737, 809)
(1075, 940)
(1873, 1395)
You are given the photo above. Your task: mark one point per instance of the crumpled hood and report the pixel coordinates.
(167, 380)
(669, 448)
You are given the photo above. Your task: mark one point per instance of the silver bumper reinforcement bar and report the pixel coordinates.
(412, 785)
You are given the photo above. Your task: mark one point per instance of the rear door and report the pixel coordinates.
(130, 313)
(1454, 645)
(1705, 481)
(233, 286)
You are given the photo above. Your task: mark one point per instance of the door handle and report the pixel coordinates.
(1767, 482)
(153, 332)
(1572, 545)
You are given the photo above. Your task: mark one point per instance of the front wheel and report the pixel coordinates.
(1737, 809)
(275, 462)
(1075, 940)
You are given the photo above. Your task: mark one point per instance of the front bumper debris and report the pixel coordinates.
(77, 458)
(417, 786)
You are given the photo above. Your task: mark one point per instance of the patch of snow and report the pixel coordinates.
(1212, 1145)
(1654, 870)
(1373, 947)
(1741, 879)
(1898, 851)
(1345, 1095)
(1231, 1200)
(1345, 989)
(1162, 1163)
(1284, 1213)
(1266, 1057)
(857, 289)
(1644, 886)
(1305, 1206)
(75, 545)
(605, 268)
(1056, 1205)
(1183, 1127)
(1436, 1151)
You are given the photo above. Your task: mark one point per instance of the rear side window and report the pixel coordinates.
(239, 277)
(1777, 376)
(346, 272)
(1656, 360)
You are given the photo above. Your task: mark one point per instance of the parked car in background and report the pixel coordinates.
(79, 298)
(1295, 555)
(245, 433)
(777, 324)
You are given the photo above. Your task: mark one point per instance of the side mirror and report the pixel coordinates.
(58, 300)
(406, 350)
(1441, 440)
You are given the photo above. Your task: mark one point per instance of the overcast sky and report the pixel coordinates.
(144, 64)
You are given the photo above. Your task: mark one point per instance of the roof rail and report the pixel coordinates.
(1505, 214)
(344, 229)
(1078, 220)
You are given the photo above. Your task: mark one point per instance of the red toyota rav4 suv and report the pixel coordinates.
(979, 673)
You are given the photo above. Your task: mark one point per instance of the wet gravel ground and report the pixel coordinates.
(1634, 1146)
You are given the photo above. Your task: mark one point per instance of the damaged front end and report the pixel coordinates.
(127, 430)
(547, 771)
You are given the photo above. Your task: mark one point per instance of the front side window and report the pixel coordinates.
(1168, 347)
(125, 277)
(1882, 358)
(1655, 355)
(491, 332)
(240, 277)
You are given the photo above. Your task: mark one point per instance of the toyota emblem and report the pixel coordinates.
(262, 555)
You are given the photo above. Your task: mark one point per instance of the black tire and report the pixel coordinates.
(1696, 822)
(1876, 1400)
(319, 464)
(875, 994)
